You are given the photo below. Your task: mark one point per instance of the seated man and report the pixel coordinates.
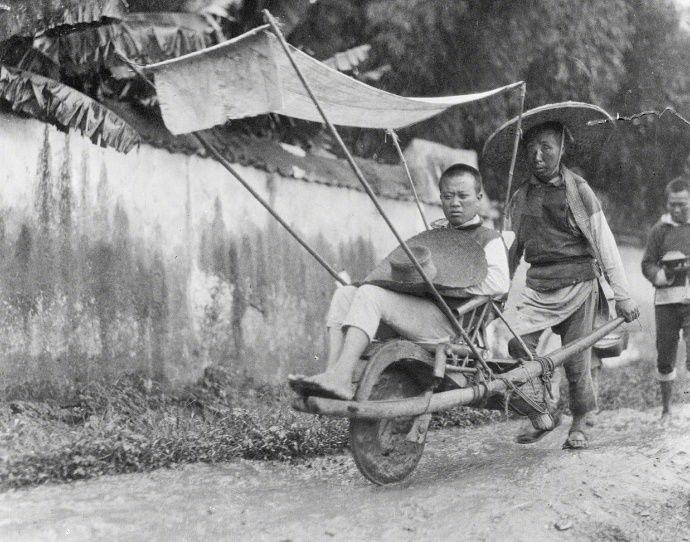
(355, 313)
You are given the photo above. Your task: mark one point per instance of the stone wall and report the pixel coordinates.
(161, 263)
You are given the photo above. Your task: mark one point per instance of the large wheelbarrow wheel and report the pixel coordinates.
(380, 448)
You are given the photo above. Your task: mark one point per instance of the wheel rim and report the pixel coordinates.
(379, 447)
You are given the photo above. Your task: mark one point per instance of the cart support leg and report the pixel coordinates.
(420, 426)
(513, 158)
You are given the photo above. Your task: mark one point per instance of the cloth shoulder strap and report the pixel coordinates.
(582, 219)
(577, 207)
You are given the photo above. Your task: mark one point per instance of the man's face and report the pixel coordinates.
(678, 204)
(544, 153)
(459, 198)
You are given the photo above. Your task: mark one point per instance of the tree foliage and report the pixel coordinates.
(46, 99)
(562, 49)
(624, 55)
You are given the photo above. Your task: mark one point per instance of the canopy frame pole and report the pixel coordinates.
(513, 158)
(208, 146)
(440, 302)
(396, 144)
(226, 164)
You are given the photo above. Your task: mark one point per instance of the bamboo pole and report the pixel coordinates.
(396, 144)
(513, 158)
(226, 164)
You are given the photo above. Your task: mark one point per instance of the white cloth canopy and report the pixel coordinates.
(251, 75)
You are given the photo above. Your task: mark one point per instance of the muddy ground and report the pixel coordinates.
(472, 484)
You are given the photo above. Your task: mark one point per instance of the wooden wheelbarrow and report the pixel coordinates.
(399, 385)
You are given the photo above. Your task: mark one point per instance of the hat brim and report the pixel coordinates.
(459, 260)
(589, 125)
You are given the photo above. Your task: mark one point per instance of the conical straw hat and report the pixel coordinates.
(451, 259)
(588, 125)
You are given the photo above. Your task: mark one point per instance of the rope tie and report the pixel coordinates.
(512, 389)
(547, 369)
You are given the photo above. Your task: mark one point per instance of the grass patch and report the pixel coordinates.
(137, 426)
(133, 426)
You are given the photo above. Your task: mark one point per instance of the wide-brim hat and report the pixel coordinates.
(404, 270)
(458, 261)
(588, 128)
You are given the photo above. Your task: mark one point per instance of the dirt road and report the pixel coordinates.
(472, 484)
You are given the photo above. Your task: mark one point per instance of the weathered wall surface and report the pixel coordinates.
(161, 263)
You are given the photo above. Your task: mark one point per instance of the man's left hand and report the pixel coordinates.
(628, 309)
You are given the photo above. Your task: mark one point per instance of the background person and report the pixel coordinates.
(671, 234)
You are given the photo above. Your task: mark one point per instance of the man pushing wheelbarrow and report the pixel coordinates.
(575, 268)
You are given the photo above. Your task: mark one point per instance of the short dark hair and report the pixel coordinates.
(460, 169)
(679, 184)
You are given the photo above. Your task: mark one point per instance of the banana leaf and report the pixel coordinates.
(50, 101)
(32, 17)
(144, 38)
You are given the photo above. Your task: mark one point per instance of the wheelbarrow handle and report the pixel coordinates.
(415, 406)
(560, 355)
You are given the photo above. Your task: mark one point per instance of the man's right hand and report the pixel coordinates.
(628, 309)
